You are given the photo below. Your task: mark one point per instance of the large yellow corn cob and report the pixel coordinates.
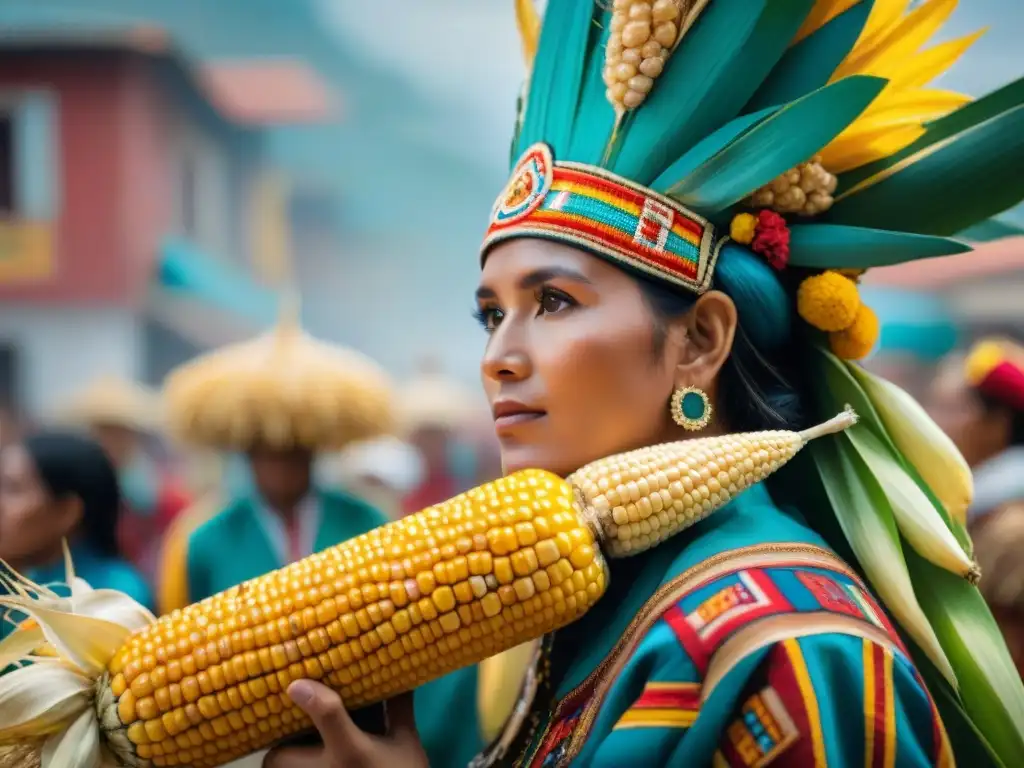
(413, 600)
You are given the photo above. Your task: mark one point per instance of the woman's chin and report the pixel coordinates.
(523, 457)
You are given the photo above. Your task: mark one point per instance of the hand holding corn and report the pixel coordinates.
(373, 617)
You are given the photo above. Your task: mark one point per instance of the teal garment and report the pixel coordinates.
(743, 642)
(99, 571)
(233, 546)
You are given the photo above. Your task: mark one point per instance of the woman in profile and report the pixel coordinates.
(696, 189)
(58, 487)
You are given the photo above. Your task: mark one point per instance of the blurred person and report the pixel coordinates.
(240, 400)
(999, 550)
(123, 417)
(978, 399)
(434, 412)
(382, 471)
(59, 486)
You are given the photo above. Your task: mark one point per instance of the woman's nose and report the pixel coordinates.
(506, 358)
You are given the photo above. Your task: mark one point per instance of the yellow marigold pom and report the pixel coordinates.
(828, 301)
(742, 228)
(857, 341)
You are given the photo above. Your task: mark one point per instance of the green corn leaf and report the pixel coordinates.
(867, 522)
(990, 686)
(944, 128)
(708, 148)
(787, 138)
(595, 118)
(559, 66)
(703, 86)
(809, 64)
(949, 187)
(834, 246)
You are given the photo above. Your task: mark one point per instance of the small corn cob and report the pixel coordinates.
(805, 190)
(408, 602)
(642, 36)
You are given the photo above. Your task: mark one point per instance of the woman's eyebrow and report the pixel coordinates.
(535, 278)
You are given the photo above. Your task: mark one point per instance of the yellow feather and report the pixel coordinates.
(902, 41)
(528, 21)
(926, 103)
(821, 14)
(884, 16)
(840, 157)
(926, 66)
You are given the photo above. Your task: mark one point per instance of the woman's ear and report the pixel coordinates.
(710, 330)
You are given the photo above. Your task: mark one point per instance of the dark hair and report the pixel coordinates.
(69, 464)
(760, 384)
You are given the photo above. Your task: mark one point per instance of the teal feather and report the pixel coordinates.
(990, 229)
(704, 150)
(809, 64)
(595, 118)
(789, 137)
(974, 176)
(558, 67)
(963, 119)
(832, 246)
(694, 79)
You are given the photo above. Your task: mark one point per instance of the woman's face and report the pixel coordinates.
(570, 368)
(31, 521)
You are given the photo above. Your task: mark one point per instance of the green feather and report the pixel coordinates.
(789, 137)
(833, 246)
(809, 64)
(963, 119)
(558, 68)
(595, 118)
(708, 148)
(708, 79)
(972, 177)
(990, 685)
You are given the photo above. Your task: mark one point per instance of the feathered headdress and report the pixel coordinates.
(777, 149)
(283, 389)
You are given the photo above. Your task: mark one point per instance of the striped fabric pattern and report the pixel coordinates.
(590, 208)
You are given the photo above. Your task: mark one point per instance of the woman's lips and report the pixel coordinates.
(511, 420)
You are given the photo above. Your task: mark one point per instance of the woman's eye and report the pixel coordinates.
(489, 318)
(553, 301)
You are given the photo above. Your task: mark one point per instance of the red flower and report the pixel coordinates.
(771, 239)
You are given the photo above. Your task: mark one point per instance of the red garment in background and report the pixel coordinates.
(436, 488)
(140, 534)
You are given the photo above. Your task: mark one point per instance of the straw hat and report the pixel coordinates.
(432, 400)
(282, 389)
(114, 401)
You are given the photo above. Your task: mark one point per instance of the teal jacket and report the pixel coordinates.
(744, 642)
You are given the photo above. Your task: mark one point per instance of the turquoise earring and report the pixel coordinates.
(691, 408)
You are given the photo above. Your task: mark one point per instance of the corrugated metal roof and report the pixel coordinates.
(998, 257)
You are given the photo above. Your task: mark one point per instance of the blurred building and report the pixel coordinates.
(931, 307)
(136, 201)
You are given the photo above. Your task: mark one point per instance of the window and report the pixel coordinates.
(7, 182)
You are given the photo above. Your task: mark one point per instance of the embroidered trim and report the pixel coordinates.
(599, 681)
(591, 208)
(764, 730)
(663, 705)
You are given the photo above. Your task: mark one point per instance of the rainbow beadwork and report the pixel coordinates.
(590, 208)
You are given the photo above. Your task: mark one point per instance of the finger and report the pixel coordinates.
(402, 718)
(341, 737)
(294, 757)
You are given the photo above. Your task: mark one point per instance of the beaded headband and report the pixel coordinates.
(588, 207)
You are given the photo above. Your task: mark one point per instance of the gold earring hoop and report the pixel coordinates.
(691, 408)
